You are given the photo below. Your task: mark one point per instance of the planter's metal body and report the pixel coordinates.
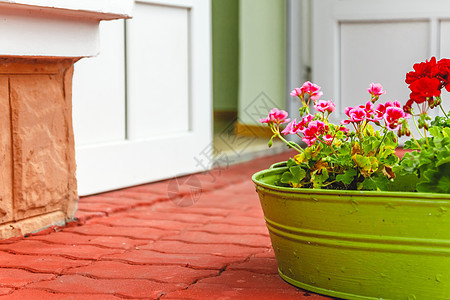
(359, 245)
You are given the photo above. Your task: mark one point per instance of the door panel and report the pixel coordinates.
(375, 52)
(158, 71)
(356, 42)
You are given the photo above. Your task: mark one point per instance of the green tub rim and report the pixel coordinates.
(275, 168)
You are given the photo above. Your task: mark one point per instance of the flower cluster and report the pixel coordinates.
(276, 116)
(325, 106)
(426, 83)
(332, 149)
(391, 112)
(428, 164)
(306, 93)
(308, 88)
(375, 90)
(365, 158)
(312, 128)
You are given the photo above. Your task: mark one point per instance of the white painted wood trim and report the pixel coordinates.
(325, 55)
(97, 9)
(56, 28)
(296, 47)
(173, 3)
(41, 35)
(358, 10)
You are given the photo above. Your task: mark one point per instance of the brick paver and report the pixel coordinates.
(205, 239)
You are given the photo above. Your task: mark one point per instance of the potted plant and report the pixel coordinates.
(348, 218)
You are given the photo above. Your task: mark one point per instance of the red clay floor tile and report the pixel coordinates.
(17, 278)
(149, 242)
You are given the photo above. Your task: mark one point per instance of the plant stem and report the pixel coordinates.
(382, 140)
(331, 145)
(417, 143)
(425, 133)
(327, 184)
(300, 150)
(415, 124)
(440, 105)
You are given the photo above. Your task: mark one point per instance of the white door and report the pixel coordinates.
(357, 42)
(142, 108)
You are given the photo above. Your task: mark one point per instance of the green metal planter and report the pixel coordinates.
(359, 244)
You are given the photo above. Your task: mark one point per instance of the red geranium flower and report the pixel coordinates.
(424, 88)
(423, 69)
(407, 108)
(443, 67)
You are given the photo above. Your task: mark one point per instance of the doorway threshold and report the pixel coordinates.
(233, 149)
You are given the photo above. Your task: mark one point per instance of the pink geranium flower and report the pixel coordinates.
(392, 117)
(315, 96)
(313, 90)
(310, 88)
(344, 129)
(355, 114)
(291, 128)
(381, 109)
(368, 110)
(294, 127)
(376, 90)
(324, 106)
(297, 92)
(328, 138)
(276, 116)
(314, 129)
(305, 121)
(309, 140)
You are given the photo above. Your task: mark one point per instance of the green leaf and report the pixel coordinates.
(344, 149)
(367, 164)
(411, 145)
(436, 131)
(435, 180)
(340, 135)
(446, 131)
(319, 178)
(376, 183)
(298, 173)
(286, 177)
(370, 144)
(443, 158)
(441, 121)
(444, 185)
(391, 160)
(404, 183)
(291, 163)
(294, 176)
(391, 140)
(347, 177)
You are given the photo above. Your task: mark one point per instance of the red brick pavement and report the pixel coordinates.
(153, 241)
